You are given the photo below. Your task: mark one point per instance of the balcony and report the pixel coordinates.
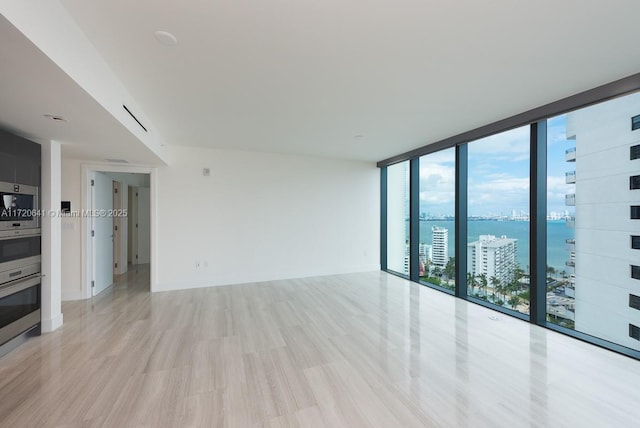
(570, 200)
(570, 155)
(570, 245)
(570, 177)
(571, 222)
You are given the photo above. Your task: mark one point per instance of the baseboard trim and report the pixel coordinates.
(264, 277)
(49, 325)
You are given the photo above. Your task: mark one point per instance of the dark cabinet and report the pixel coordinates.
(19, 160)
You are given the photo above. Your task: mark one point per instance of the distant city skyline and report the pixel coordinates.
(498, 175)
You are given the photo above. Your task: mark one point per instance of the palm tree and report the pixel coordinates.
(483, 282)
(495, 284)
(450, 268)
(519, 273)
(514, 301)
(471, 281)
(551, 271)
(513, 288)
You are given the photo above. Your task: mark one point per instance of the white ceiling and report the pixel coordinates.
(308, 76)
(32, 87)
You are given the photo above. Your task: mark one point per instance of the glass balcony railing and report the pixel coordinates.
(570, 177)
(570, 200)
(570, 245)
(570, 154)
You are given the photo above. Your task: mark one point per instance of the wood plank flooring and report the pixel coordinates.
(358, 350)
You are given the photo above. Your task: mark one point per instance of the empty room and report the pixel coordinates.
(319, 214)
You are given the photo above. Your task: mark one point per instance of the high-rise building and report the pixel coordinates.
(493, 256)
(607, 168)
(425, 253)
(440, 240)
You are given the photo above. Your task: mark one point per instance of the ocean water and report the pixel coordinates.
(557, 234)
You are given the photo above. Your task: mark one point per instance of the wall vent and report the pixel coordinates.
(134, 118)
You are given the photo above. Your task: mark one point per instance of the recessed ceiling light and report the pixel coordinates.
(166, 38)
(55, 118)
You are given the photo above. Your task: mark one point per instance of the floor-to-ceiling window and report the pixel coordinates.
(561, 178)
(437, 219)
(593, 181)
(565, 256)
(398, 259)
(498, 219)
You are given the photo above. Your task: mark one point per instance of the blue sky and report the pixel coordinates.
(498, 174)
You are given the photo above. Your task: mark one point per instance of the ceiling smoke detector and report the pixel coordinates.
(165, 38)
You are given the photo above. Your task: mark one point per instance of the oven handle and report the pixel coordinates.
(20, 285)
(20, 233)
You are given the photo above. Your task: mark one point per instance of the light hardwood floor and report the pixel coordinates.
(338, 351)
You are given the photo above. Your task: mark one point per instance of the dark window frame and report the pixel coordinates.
(535, 118)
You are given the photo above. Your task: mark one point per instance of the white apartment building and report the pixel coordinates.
(493, 256)
(440, 240)
(604, 228)
(425, 253)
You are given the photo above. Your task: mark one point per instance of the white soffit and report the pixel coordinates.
(352, 79)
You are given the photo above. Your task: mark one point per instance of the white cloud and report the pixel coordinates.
(499, 194)
(510, 145)
(437, 184)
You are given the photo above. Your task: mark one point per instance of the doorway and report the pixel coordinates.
(110, 241)
(139, 225)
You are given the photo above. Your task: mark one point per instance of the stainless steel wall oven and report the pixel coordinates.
(18, 208)
(19, 307)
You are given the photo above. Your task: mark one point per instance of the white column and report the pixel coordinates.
(51, 237)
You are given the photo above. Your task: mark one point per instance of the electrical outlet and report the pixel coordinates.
(197, 264)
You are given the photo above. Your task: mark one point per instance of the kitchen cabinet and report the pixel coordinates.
(19, 160)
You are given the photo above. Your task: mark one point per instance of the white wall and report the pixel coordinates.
(258, 217)
(51, 237)
(262, 217)
(71, 232)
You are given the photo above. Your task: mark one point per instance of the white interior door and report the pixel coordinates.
(102, 231)
(118, 229)
(132, 219)
(144, 224)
